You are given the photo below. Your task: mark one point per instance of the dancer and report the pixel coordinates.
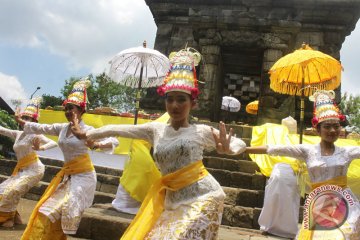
(139, 173)
(187, 201)
(327, 164)
(28, 171)
(58, 212)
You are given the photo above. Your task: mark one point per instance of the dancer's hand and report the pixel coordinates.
(37, 144)
(92, 144)
(18, 118)
(75, 128)
(222, 139)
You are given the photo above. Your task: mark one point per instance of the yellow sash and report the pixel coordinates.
(306, 234)
(25, 161)
(153, 204)
(78, 165)
(339, 181)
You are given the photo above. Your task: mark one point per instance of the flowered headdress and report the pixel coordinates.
(324, 107)
(78, 95)
(32, 109)
(182, 74)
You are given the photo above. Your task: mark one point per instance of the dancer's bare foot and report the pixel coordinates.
(8, 223)
(18, 219)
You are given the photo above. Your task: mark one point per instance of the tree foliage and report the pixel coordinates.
(7, 121)
(105, 93)
(52, 101)
(350, 106)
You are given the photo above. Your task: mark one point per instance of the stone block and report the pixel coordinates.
(240, 180)
(239, 82)
(222, 176)
(237, 216)
(101, 197)
(164, 29)
(314, 39)
(272, 55)
(107, 188)
(210, 49)
(237, 93)
(256, 214)
(267, 65)
(258, 182)
(231, 195)
(231, 87)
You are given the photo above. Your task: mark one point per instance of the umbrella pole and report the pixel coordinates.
(302, 106)
(137, 105)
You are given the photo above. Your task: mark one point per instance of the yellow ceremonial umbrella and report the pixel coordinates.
(252, 107)
(304, 71)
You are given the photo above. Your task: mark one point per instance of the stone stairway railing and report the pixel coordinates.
(238, 175)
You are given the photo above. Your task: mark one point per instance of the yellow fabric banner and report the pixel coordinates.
(95, 120)
(275, 134)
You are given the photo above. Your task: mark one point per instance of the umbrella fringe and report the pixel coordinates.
(294, 89)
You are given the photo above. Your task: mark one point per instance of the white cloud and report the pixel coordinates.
(350, 53)
(84, 32)
(11, 89)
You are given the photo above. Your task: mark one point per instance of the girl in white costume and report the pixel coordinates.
(187, 203)
(29, 169)
(327, 164)
(72, 190)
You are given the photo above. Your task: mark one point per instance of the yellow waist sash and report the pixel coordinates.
(306, 234)
(24, 162)
(153, 204)
(78, 165)
(339, 181)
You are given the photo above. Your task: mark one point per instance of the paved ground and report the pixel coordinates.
(26, 206)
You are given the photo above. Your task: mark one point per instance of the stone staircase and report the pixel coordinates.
(238, 175)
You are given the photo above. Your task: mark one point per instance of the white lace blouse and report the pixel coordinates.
(173, 150)
(24, 142)
(320, 167)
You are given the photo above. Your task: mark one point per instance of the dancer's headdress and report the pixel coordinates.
(32, 109)
(182, 74)
(78, 95)
(324, 107)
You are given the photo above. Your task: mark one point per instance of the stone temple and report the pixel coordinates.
(241, 39)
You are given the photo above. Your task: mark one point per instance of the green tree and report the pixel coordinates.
(51, 101)
(105, 93)
(350, 106)
(7, 121)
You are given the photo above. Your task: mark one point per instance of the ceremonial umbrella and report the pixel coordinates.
(304, 71)
(230, 104)
(139, 67)
(252, 107)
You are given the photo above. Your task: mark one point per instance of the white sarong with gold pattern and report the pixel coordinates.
(27, 174)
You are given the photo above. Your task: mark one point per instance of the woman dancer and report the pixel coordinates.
(28, 171)
(187, 202)
(327, 164)
(59, 210)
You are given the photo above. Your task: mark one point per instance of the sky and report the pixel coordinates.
(43, 43)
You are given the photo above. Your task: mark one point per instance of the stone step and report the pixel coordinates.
(228, 178)
(241, 131)
(102, 220)
(242, 156)
(230, 164)
(98, 169)
(10, 164)
(234, 196)
(254, 181)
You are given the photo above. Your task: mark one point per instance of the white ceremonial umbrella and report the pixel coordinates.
(139, 67)
(230, 104)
